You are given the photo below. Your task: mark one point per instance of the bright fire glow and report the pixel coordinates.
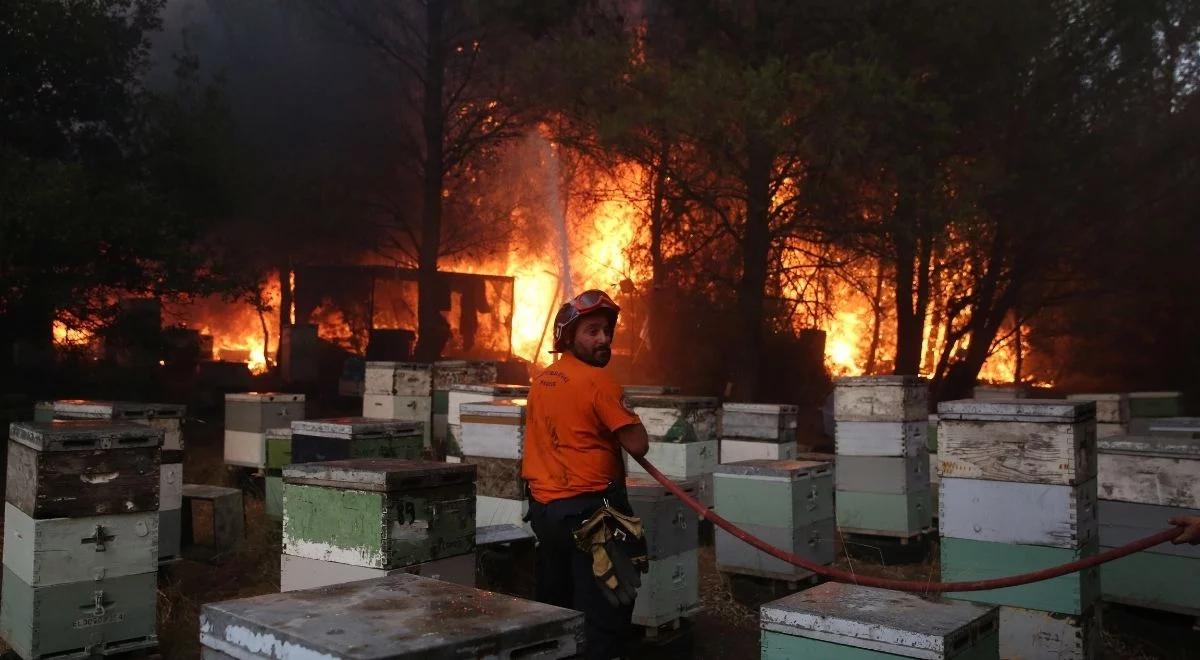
(67, 336)
(236, 328)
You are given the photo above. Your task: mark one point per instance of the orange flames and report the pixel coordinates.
(236, 327)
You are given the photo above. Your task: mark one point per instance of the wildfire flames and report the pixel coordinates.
(236, 327)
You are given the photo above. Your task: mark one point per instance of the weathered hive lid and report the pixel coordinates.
(399, 366)
(90, 409)
(280, 432)
(785, 469)
(493, 389)
(379, 474)
(484, 412)
(648, 487)
(649, 390)
(677, 401)
(264, 397)
(83, 435)
(878, 381)
(762, 408)
(1017, 410)
(880, 619)
(347, 427)
(1175, 424)
(1109, 396)
(500, 534)
(397, 616)
(1165, 446)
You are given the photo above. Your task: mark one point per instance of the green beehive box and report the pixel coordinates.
(378, 513)
(968, 560)
(71, 620)
(1155, 404)
(273, 495)
(788, 493)
(1156, 581)
(884, 514)
(279, 448)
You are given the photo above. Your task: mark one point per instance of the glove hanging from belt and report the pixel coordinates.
(617, 545)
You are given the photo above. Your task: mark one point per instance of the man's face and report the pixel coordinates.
(593, 339)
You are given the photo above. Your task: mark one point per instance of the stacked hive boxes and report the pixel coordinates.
(671, 588)
(446, 375)
(1019, 495)
(248, 415)
(395, 617)
(848, 621)
(460, 394)
(362, 518)
(683, 438)
(934, 479)
(1144, 482)
(165, 416)
(882, 456)
(788, 504)
(1112, 412)
(80, 538)
(279, 454)
(493, 439)
(1144, 407)
(752, 431)
(401, 391)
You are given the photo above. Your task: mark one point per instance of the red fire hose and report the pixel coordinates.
(908, 585)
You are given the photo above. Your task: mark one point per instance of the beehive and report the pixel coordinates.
(340, 438)
(378, 513)
(493, 429)
(298, 573)
(53, 551)
(399, 616)
(466, 393)
(1033, 634)
(165, 416)
(279, 454)
(760, 421)
(880, 399)
(677, 418)
(1150, 470)
(248, 415)
(671, 527)
(835, 620)
(1155, 404)
(1074, 593)
(1019, 513)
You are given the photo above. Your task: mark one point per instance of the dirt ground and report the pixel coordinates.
(726, 628)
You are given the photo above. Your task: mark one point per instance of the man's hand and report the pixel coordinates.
(634, 439)
(1191, 530)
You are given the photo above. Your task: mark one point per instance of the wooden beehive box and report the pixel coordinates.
(76, 619)
(736, 451)
(881, 438)
(165, 416)
(786, 494)
(1155, 404)
(255, 412)
(883, 474)
(447, 373)
(83, 468)
(497, 477)
(389, 618)
(677, 418)
(836, 620)
(398, 379)
(670, 590)
(771, 422)
(885, 514)
(1111, 408)
(479, 393)
(52, 551)
(1035, 634)
(279, 448)
(682, 460)
(816, 542)
(1186, 427)
(1019, 513)
(315, 440)
(378, 513)
(493, 429)
(1150, 470)
(671, 527)
(969, 560)
(881, 399)
(1030, 440)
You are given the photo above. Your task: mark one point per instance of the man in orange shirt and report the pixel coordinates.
(576, 425)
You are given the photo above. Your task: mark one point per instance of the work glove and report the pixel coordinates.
(617, 545)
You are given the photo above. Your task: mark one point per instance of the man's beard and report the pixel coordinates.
(597, 358)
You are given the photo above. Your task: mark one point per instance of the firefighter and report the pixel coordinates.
(576, 426)
(1191, 530)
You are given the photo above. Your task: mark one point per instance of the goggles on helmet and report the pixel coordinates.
(582, 304)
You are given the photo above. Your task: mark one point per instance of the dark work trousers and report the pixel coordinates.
(564, 573)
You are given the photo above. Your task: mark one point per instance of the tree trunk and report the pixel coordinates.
(432, 330)
(756, 246)
(285, 305)
(912, 286)
(876, 319)
(657, 313)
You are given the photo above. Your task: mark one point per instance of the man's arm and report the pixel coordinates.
(634, 439)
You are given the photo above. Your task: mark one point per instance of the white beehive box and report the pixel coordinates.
(1028, 440)
(398, 379)
(460, 394)
(1159, 470)
(54, 551)
(881, 438)
(881, 399)
(734, 450)
(1110, 408)
(1019, 513)
(822, 621)
(298, 573)
(684, 460)
(399, 616)
(883, 474)
(676, 418)
(1034, 634)
(760, 421)
(493, 429)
